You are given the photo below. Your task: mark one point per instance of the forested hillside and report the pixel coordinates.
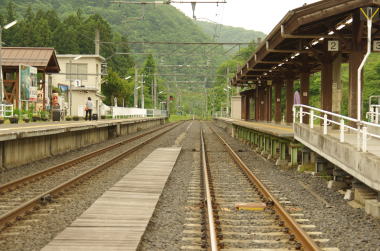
(69, 26)
(224, 33)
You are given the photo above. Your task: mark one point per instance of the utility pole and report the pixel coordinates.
(97, 42)
(155, 91)
(228, 94)
(135, 90)
(142, 92)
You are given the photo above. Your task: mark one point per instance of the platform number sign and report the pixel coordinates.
(333, 45)
(376, 45)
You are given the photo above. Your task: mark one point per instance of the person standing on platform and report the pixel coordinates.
(88, 108)
(297, 98)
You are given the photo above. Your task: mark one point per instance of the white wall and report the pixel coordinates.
(93, 70)
(236, 107)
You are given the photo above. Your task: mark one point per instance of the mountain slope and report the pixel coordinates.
(229, 33)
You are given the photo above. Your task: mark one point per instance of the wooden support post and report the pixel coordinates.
(269, 103)
(277, 85)
(289, 100)
(304, 92)
(326, 85)
(247, 108)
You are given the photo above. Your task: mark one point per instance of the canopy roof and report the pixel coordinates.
(43, 58)
(298, 42)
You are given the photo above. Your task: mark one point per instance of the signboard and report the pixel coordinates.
(77, 83)
(376, 45)
(28, 83)
(333, 45)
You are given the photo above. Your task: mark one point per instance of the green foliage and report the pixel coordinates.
(370, 84)
(117, 87)
(217, 95)
(69, 26)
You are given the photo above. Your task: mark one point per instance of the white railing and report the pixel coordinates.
(221, 114)
(6, 111)
(374, 114)
(361, 129)
(130, 112)
(156, 113)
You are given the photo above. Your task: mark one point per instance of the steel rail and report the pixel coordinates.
(19, 182)
(301, 236)
(17, 213)
(210, 214)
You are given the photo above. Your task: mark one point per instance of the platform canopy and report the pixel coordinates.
(44, 59)
(299, 42)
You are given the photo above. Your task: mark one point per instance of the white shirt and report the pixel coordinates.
(89, 105)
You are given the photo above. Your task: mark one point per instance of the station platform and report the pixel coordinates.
(24, 143)
(14, 131)
(275, 129)
(118, 219)
(272, 140)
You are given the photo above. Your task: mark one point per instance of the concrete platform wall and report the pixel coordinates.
(227, 126)
(363, 166)
(33, 146)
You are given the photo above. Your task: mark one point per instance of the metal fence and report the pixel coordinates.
(364, 130)
(130, 112)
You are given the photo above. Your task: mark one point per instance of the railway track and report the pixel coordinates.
(20, 197)
(229, 208)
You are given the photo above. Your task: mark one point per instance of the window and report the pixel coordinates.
(76, 71)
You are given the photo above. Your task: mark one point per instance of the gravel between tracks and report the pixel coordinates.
(346, 227)
(164, 231)
(36, 230)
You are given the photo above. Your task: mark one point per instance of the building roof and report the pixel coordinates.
(82, 56)
(43, 58)
(296, 42)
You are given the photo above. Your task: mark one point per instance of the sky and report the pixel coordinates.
(259, 15)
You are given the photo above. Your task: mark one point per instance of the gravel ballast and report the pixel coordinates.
(164, 231)
(346, 227)
(37, 229)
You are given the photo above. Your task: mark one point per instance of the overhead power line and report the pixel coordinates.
(177, 43)
(168, 2)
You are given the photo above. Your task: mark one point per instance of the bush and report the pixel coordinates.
(68, 118)
(75, 118)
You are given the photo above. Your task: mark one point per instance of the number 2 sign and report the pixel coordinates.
(333, 45)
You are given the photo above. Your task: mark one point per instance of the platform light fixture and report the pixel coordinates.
(331, 33)
(349, 21)
(341, 26)
(315, 42)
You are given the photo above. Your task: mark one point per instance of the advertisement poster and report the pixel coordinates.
(28, 83)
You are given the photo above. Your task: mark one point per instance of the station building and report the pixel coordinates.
(80, 78)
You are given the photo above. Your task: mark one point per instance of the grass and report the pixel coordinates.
(175, 118)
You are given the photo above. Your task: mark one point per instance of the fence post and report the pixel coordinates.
(364, 139)
(294, 114)
(311, 119)
(377, 115)
(325, 124)
(341, 130)
(301, 115)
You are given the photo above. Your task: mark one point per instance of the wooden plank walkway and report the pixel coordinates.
(117, 220)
